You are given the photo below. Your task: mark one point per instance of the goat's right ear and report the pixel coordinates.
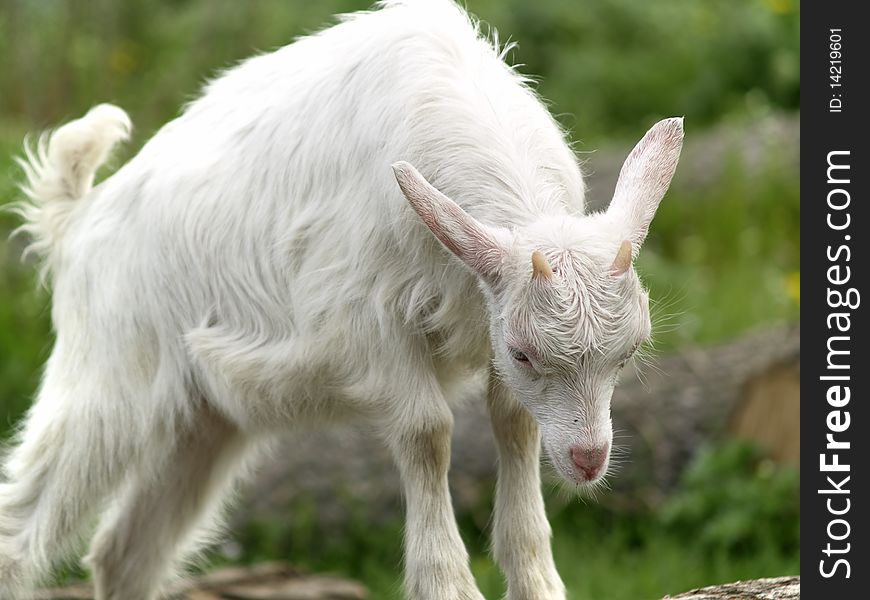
(481, 247)
(645, 178)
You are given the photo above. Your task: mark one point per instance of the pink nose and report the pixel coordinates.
(589, 460)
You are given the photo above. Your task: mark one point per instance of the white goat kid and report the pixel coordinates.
(255, 269)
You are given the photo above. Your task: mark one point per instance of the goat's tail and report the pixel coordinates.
(60, 170)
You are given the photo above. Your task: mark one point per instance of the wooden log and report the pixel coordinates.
(278, 581)
(778, 588)
(267, 581)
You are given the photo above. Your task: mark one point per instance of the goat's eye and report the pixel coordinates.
(519, 356)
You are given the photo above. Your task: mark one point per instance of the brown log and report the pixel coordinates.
(778, 588)
(268, 581)
(278, 581)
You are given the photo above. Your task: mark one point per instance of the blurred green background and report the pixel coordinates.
(719, 265)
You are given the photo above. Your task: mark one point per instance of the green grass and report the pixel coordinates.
(594, 564)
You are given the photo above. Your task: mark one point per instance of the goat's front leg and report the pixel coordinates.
(521, 532)
(436, 561)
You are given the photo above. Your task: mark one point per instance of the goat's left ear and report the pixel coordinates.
(645, 177)
(481, 247)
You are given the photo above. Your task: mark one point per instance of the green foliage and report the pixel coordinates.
(732, 499)
(613, 64)
(608, 66)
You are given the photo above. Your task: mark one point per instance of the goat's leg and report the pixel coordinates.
(166, 514)
(74, 449)
(436, 561)
(521, 532)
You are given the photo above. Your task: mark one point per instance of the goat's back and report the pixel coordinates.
(268, 208)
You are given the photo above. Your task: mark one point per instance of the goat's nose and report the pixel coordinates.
(589, 459)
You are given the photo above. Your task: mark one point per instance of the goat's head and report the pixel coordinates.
(567, 309)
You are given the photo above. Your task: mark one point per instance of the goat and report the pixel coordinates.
(255, 269)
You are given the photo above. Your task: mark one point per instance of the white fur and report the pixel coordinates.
(255, 269)
(60, 170)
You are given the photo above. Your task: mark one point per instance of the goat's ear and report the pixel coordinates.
(481, 247)
(645, 177)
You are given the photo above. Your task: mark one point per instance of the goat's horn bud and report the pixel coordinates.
(540, 266)
(622, 262)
